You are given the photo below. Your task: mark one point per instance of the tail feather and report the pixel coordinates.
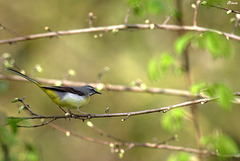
(26, 77)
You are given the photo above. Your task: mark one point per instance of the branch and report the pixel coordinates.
(118, 88)
(109, 87)
(221, 8)
(127, 114)
(116, 27)
(195, 12)
(130, 144)
(133, 144)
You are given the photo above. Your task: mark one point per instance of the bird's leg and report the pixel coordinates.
(70, 112)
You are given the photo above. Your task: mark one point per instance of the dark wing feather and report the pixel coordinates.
(64, 89)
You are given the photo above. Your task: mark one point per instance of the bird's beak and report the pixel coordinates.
(98, 92)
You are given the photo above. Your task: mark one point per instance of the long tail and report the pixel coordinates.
(26, 77)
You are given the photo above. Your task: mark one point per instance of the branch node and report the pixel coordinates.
(124, 119)
(107, 110)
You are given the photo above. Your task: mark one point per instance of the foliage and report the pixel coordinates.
(143, 7)
(222, 143)
(173, 120)
(3, 87)
(215, 43)
(9, 141)
(180, 157)
(223, 93)
(182, 42)
(159, 66)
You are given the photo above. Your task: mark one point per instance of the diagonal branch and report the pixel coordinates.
(145, 145)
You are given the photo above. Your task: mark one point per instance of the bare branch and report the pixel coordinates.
(218, 7)
(195, 13)
(39, 125)
(131, 145)
(11, 31)
(109, 87)
(127, 114)
(90, 21)
(116, 27)
(127, 16)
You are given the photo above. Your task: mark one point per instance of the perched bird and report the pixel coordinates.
(64, 96)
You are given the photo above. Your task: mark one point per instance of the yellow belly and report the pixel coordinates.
(68, 100)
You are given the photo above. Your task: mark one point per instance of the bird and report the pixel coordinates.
(70, 97)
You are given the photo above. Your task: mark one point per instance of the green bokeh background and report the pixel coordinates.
(127, 54)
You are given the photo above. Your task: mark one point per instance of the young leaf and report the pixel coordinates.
(155, 6)
(217, 45)
(153, 69)
(180, 157)
(182, 42)
(20, 109)
(158, 67)
(224, 94)
(166, 61)
(222, 143)
(196, 88)
(3, 87)
(173, 121)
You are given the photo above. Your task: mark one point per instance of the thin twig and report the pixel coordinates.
(103, 133)
(236, 25)
(39, 125)
(218, 7)
(117, 27)
(131, 145)
(11, 31)
(90, 20)
(127, 16)
(195, 13)
(166, 21)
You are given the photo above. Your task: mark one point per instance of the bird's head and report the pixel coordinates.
(91, 90)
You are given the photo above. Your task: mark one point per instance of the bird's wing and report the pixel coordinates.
(64, 89)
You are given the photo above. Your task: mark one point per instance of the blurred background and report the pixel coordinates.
(127, 54)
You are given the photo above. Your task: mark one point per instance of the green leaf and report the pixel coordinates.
(13, 124)
(20, 109)
(3, 87)
(173, 121)
(213, 2)
(31, 152)
(178, 71)
(136, 6)
(223, 144)
(153, 69)
(15, 100)
(166, 61)
(182, 156)
(217, 45)
(159, 66)
(197, 87)
(224, 94)
(155, 6)
(182, 42)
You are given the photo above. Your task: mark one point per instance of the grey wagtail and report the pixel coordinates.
(69, 97)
